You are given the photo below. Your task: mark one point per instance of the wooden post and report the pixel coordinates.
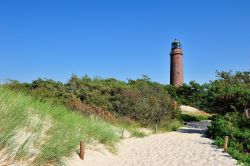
(225, 143)
(122, 133)
(156, 128)
(81, 150)
(175, 104)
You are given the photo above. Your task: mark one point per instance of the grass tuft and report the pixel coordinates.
(173, 125)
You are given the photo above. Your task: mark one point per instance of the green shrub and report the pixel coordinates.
(138, 134)
(237, 127)
(192, 94)
(229, 93)
(146, 102)
(173, 125)
(190, 118)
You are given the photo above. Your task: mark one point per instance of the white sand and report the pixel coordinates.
(186, 147)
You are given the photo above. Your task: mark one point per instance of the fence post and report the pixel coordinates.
(175, 104)
(225, 143)
(156, 128)
(122, 133)
(81, 150)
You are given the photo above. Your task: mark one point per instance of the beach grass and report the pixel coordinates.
(43, 132)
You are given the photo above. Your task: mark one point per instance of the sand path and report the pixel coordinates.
(186, 147)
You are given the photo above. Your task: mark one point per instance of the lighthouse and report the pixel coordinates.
(176, 64)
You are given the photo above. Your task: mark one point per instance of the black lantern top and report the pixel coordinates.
(176, 44)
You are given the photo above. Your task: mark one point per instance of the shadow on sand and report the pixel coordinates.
(195, 128)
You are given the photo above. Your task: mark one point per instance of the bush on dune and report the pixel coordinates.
(228, 96)
(230, 93)
(237, 127)
(141, 100)
(192, 94)
(146, 102)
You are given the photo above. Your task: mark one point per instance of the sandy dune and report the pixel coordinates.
(187, 147)
(193, 111)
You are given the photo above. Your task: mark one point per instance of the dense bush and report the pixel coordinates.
(229, 93)
(146, 102)
(237, 127)
(141, 100)
(192, 94)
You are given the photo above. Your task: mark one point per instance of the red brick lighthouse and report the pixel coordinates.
(176, 66)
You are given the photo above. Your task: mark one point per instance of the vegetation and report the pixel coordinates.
(146, 102)
(57, 116)
(193, 118)
(237, 127)
(226, 97)
(137, 103)
(229, 93)
(173, 125)
(44, 132)
(192, 94)
(140, 100)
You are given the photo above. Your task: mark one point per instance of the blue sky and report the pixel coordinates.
(122, 38)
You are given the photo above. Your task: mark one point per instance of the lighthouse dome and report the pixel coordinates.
(176, 44)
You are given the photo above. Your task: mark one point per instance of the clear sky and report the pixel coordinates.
(122, 38)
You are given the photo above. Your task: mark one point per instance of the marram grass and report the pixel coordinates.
(44, 133)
